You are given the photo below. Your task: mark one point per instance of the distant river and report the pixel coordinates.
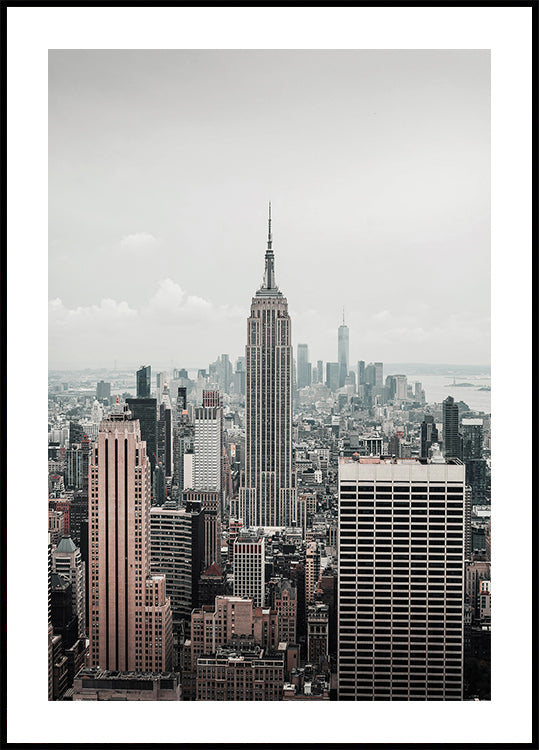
(436, 390)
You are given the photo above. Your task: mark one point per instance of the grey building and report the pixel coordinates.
(304, 366)
(343, 353)
(268, 494)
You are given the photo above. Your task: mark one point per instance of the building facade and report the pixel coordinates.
(268, 493)
(177, 551)
(248, 564)
(144, 382)
(451, 436)
(400, 586)
(119, 550)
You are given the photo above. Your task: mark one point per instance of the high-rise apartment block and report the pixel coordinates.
(268, 493)
(208, 448)
(312, 570)
(285, 603)
(401, 588)
(127, 605)
(177, 551)
(248, 564)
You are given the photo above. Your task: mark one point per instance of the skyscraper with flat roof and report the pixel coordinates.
(268, 493)
(304, 366)
(144, 382)
(145, 410)
(429, 434)
(249, 567)
(127, 606)
(401, 579)
(451, 436)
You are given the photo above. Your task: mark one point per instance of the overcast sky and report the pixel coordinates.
(377, 164)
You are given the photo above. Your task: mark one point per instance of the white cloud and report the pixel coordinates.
(169, 320)
(138, 241)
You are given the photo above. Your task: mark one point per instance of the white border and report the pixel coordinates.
(31, 32)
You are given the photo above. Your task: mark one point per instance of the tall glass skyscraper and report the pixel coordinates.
(144, 382)
(452, 438)
(343, 352)
(268, 493)
(304, 366)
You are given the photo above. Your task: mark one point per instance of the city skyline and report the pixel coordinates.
(507, 33)
(365, 133)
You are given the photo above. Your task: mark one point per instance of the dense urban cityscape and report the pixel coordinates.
(269, 528)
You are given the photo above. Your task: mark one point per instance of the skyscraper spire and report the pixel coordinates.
(269, 286)
(343, 315)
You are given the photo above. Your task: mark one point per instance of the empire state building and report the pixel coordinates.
(268, 493)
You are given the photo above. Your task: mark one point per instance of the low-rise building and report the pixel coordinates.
(95, 684)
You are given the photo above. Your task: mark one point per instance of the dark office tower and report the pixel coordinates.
(144, 382)
(145, 410)
(394, 446)
(64, 620)
(361, 372)
(268, 494)
(181, 402)
(73, 467)
(401, 579)
(212, 583)
(84, 553)
(476, 466)
(429, 435)
(472, 439)
(103, 391)
(343, 352)
(451, 436)
(159, 485)
(164, 432)
(76, 433)
(177, 551)
(67, 561)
